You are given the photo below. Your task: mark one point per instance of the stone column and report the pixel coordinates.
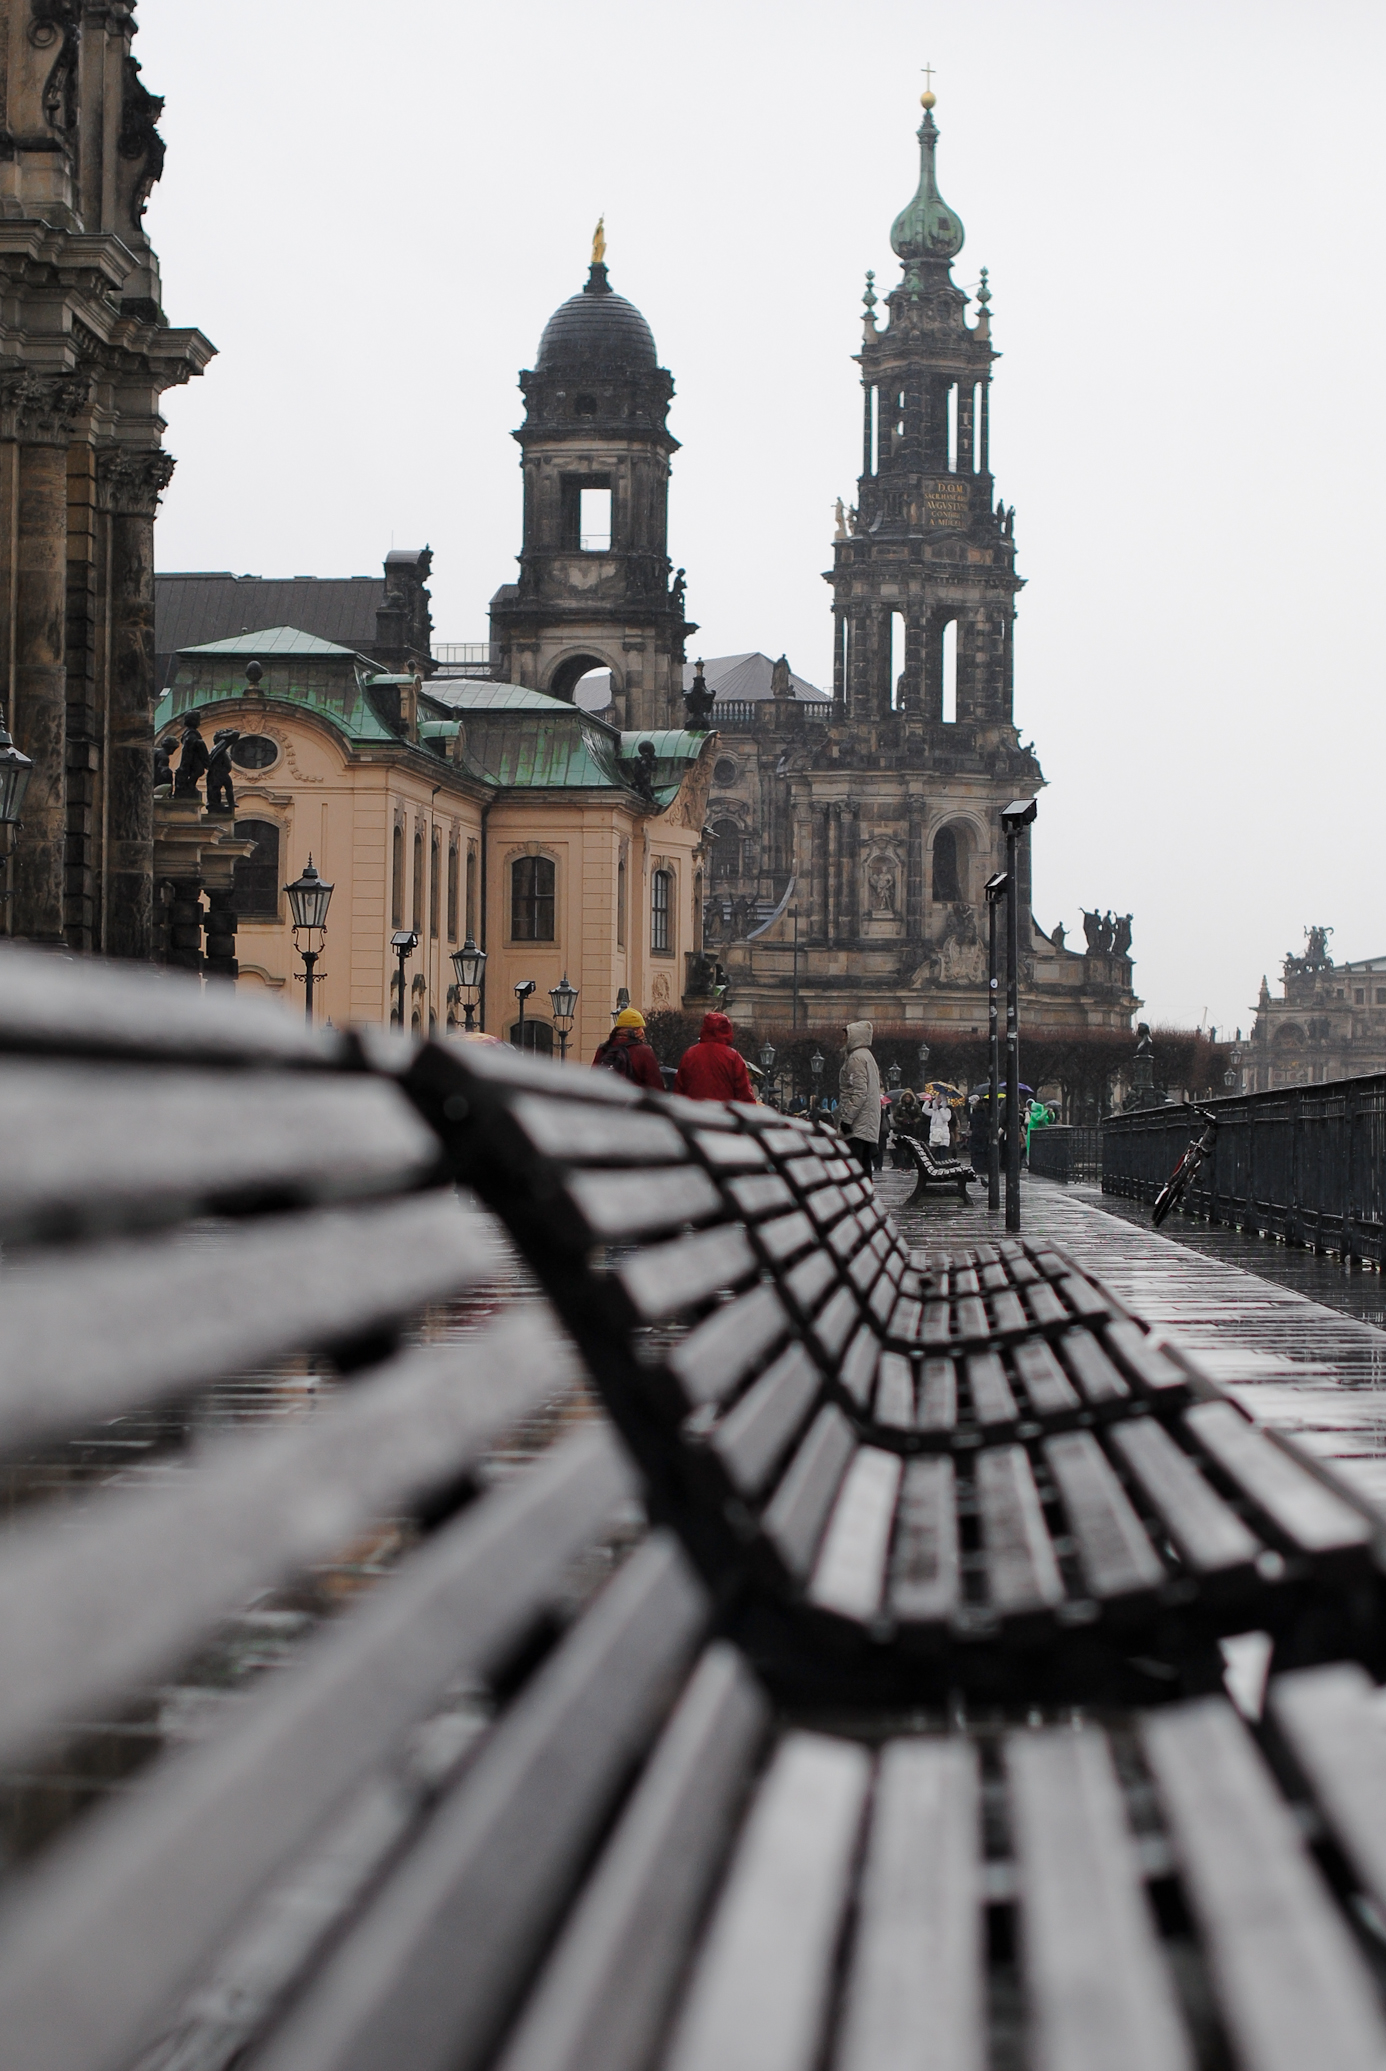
(834, 872)
(130, 483)
(914, 873)
(37, 413)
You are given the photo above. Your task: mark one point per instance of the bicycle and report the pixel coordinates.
(1186, 1171)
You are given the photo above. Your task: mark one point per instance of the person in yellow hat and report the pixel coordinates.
(626, 1052)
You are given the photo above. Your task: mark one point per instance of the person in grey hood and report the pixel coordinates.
(859, 1102)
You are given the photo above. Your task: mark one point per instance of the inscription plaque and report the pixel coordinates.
(947, 502)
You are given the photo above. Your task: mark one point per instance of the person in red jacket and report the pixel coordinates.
(713, 1069)
(626, 1052)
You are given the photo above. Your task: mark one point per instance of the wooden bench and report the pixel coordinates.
(898, 1477)
(524, 1806)
(931, 1171)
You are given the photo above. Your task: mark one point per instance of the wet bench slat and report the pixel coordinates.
(132, 1891)
(86, 1335)
(1099, 1992)
(1292, 1986)
(93, 1604)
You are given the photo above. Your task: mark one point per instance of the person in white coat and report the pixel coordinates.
(859, 1096)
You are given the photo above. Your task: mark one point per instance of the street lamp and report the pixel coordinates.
(893, 1077)
(469, 964)
(1229, 1078)
(995, 889)
(563, 998)
(15, 772)
(522, 992)
(1018, 815)
(767, 1057)
(309, 899)
(403, 942)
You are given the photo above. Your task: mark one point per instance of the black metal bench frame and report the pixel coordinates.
(930, 1171)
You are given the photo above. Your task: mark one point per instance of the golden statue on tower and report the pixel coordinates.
(599, 241)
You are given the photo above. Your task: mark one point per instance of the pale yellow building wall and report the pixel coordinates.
(344, 808)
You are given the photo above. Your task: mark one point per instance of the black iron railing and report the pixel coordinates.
(1306, 1163)
(1059, 1152)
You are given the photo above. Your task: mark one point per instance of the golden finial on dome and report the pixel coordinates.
(928, 99)
(599, 242)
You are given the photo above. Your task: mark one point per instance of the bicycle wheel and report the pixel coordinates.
(1170, 1193)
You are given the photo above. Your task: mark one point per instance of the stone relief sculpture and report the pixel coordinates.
(881, 879)
(960, 957)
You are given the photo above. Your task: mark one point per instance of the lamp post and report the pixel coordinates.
(522, 992)
(816, 1063)
(767, 1057)
(893, 1077)
(563, 998)
(15, 772)
(403, 942)
(469, 964)
(309, 899)
(995, 889)
(1017, 815)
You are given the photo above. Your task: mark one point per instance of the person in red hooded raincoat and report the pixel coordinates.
(714, 1069)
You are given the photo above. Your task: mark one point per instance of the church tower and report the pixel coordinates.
(926, 551)
(595, 588)
(895, 803)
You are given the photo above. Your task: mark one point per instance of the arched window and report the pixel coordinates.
(255, 879)
(538, 1036)
(726, 851)
(621, 903)
(418, 909)
(452, 891)
(397, 880)
(471, 894)
(661, 903)
(435, 883)
(531, 899)
(947, 882)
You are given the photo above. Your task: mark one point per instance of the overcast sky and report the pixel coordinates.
(372, 211)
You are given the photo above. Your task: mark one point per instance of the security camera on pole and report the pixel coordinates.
(1017, 815)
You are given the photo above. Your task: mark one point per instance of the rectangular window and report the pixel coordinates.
(397, 881)
(471, 895)
(1380, 997)
(452, 891)
(661, 900)
(531, 899)
(1359, 997)
(594, 521)
(418, 909)
(950, 672)
(621, 904)
(435, 886)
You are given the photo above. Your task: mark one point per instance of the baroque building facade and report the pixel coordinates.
(85, 353)
(870, 827)
(454, 808)
(1329, 1022)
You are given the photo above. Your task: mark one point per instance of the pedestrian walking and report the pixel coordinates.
(940, 1125)
(713, 1068)
(859, 1104)
(626, 1052)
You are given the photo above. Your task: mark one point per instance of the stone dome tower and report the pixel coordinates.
(596, 587)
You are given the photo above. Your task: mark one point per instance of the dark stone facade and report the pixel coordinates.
(86, 354)
(875, 832)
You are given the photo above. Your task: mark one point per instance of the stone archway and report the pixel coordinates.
(570, 671)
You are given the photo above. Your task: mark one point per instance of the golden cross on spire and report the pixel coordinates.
(928, 72)
(928, 97)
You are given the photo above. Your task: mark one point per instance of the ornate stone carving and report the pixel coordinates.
(140, 143)
(42, 409)
(57, 22)
(291, 759)
(130, 481)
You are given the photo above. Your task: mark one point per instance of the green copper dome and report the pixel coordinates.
(927, 228)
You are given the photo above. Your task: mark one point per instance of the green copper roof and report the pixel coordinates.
(468, 695)
(280, 640)
(928, 228)
(562, 749)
